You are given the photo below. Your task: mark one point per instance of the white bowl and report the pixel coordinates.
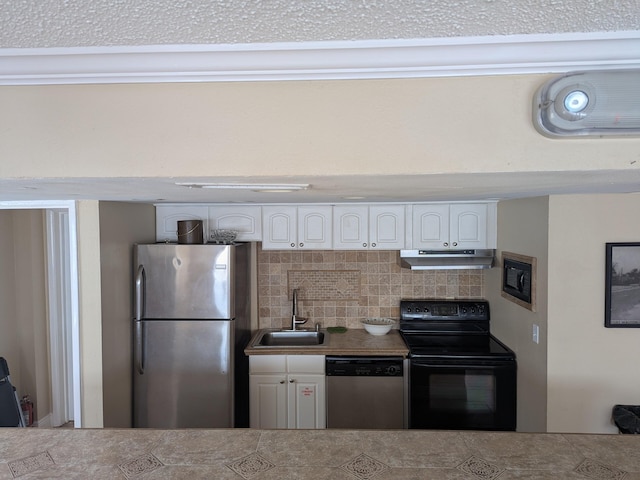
(378, 326)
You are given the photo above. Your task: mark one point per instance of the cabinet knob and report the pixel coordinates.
(291, 381)
(364, 244)
(373, 245)
(446, 244)
(281, 382)
(293, 245)
(455, 244)
(301, 244)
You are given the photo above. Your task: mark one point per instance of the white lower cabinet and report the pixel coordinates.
(287, 391)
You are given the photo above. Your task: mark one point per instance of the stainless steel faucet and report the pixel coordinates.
(294, 312)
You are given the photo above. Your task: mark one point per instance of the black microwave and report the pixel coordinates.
(516, 279)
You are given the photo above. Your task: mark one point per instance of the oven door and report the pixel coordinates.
(463, 395)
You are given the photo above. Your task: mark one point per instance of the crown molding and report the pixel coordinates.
(367, 59)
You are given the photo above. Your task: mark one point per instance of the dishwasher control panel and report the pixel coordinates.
(364, 366)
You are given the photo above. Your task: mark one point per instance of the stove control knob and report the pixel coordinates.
(392, 370)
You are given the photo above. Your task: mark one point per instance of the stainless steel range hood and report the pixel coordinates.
(446, 259)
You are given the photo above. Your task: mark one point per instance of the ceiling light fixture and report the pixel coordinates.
(256, 187)
(589, 104)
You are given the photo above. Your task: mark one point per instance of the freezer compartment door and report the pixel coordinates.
(183, 375)
(184, 281)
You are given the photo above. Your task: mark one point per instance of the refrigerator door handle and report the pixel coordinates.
(139, 341)
(139, 307)
(139, 346)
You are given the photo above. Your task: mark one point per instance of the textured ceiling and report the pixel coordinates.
(90, 23)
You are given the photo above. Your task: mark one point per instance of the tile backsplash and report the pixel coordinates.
(339, 288)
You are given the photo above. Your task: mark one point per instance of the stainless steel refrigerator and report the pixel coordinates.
(191, 324)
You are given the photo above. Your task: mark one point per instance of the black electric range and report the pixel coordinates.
(461, 376)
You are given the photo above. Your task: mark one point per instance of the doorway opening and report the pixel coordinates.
(62, 305)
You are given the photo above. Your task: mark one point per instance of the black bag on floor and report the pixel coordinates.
(627, 418)
(10, 410)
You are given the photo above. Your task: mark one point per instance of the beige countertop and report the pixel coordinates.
(250, 454)
(352, 342)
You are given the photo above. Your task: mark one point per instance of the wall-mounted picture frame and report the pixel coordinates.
(519, 279)
(622, 285)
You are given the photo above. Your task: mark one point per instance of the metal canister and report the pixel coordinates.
(190, 232)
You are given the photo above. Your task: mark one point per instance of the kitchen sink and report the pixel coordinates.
(290, 338)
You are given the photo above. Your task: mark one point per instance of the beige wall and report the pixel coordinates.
(523, 229)
(591, 368)
(571, 380)
(23, 316)
(403, 126)
(88, 227)
(121, 225)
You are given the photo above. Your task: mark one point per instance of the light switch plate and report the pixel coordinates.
(536, 333)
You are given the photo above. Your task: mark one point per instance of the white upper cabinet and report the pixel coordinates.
(386, 227)
(350, 227)
(289, 227)
(362, 227)
(245, 219)
(453, 226)
(315, 227)
(468, 225)
(280, 227)
(429, 226)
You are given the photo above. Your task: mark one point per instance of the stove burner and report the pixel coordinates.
(449, 328)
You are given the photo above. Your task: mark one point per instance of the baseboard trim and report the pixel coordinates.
(44, 422)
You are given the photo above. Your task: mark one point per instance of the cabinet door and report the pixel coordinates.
(245, 219)
(315, 227)
(386, 227)
(350, 227)
(167, 217)
(268, 401)
(306, 401)
(430, 226)
(280, 227)
(468, 225)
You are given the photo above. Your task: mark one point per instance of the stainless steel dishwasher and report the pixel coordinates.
(366, 392)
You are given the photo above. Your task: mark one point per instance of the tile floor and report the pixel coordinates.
(314, 454)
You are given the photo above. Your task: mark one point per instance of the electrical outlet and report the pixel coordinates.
(536, 333)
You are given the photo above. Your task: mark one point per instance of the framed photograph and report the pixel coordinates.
(622, 285)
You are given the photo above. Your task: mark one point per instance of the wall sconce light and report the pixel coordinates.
(594, 104)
